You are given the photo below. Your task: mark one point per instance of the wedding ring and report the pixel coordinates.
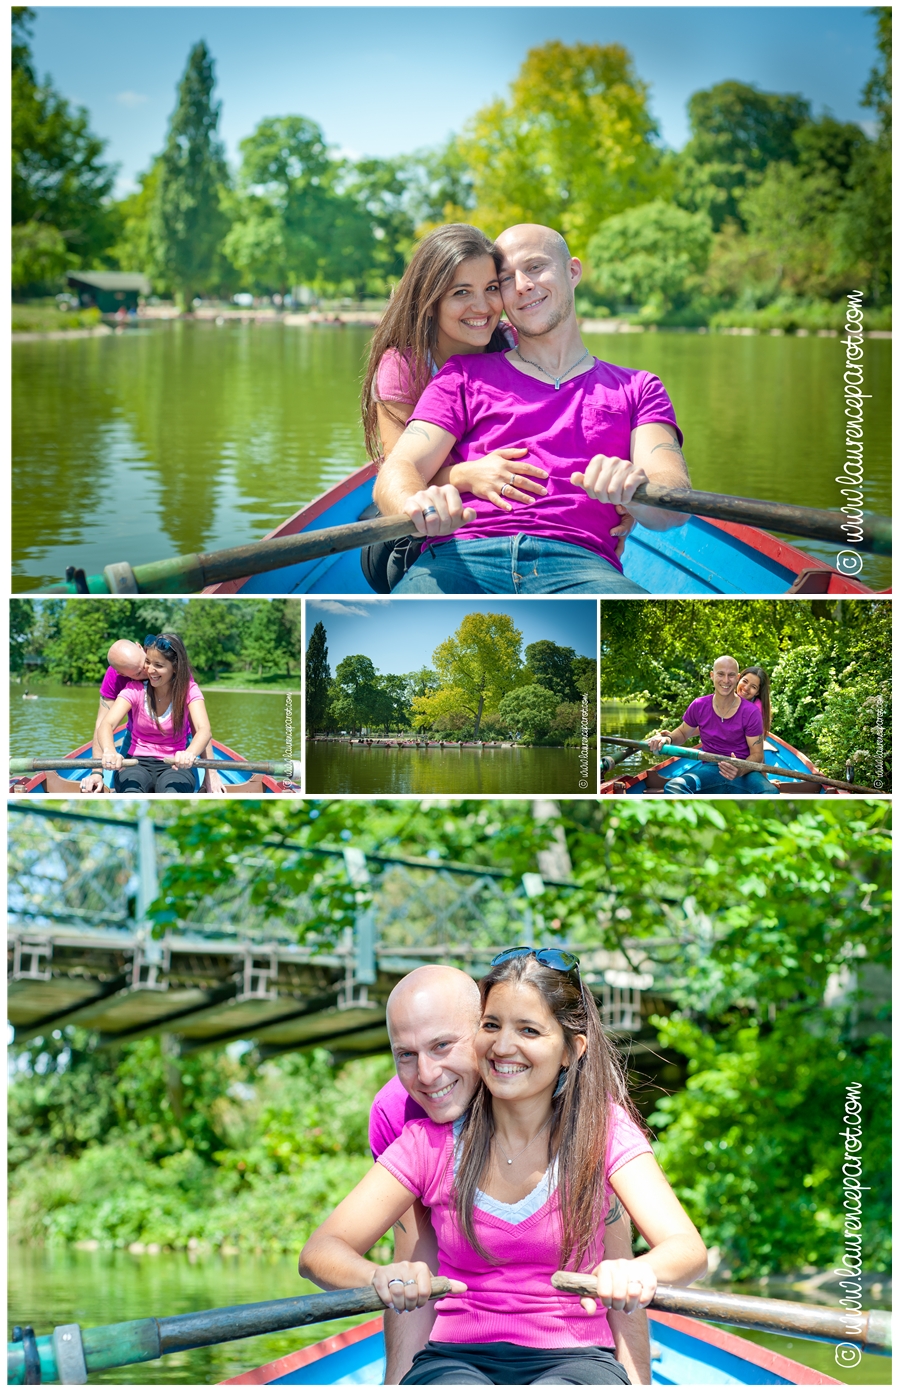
(395, 1281)
(512, 481)
(503, 489)
(409, 1281)
(430, 511)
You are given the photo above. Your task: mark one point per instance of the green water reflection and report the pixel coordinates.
(48, 1287)
(62, 718)
(344, 768)
(185, 436)
(629, 721)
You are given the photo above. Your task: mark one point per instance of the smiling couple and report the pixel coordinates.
(512, 431)
(507, 1148)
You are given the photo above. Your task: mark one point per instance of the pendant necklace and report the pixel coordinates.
(549, 375)
(723, 717)
(527, 1146)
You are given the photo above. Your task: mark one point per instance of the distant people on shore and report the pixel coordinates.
(168, 727)
(595, 431)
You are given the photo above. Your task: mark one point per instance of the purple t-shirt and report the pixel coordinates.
(731, 737)
(392, 1108)
(486, 404)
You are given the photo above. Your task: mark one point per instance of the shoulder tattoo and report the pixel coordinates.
(615, 1211)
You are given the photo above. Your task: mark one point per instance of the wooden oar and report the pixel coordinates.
(188, 574)
(279, 767)
(764, 1314)
(676, 750)
(68, 1355)
(610, 760)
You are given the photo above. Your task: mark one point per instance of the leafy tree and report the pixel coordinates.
(584, 672)
(84, 636)
(446, 708)
(553, 667)
(531, 709)
(21, 628)
(59, 180)
(422, 682)
(265, 642)
(356, 700)
(650, 256)
(134, 247)
(318, 679)
(572, 145)
(187, 222)
(482, 661)
(213, 633)
(789, 218)
(736, 133)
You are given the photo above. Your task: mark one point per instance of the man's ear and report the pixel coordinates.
(576, 270)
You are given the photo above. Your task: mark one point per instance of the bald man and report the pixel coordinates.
(598, 430)
(432, 1018)
(726, 724)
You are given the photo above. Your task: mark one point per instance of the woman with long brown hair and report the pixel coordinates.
(167, 720)
(753, 686)
(519, 1187)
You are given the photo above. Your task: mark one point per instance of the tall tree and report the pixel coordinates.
(318, 679)
(551, 666)
(530, 709)
(482, 660)
(357, 700)
(188, 223)
(265, 642)
(212, 633)
(21, 628)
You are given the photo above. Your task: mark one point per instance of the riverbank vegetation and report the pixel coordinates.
(773, 1000)
(766, 218)
(828, 660)
(234, 642)
(479, 687)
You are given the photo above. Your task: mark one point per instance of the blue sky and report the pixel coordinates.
(384, 81)
(401, 634)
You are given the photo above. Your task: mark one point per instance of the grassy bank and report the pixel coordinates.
(45, 316)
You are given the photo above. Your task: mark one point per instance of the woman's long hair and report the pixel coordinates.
(410, 323)
(763, 694)
(175, 653)
(579, 1129)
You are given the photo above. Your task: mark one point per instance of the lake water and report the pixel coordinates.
(348, 768)
(179, 437)
(626, 720)
(62, 718)
(48, 1287)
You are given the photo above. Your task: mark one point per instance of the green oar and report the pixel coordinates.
(278, 767)
(610, 760)
(873, 1332)
(676, 750)
(188, 574)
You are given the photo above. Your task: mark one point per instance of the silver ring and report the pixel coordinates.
(512, 481)
(395, 1281)
(430, 511)
(503, 489)
(409, 1281)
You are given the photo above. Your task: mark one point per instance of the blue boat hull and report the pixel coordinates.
(777, 754)
(703, 557)
(684, 1352)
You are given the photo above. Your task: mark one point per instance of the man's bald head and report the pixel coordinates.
(432, 1018)
(725, 663)
(538, 277)
(535, 233)
(128, 658)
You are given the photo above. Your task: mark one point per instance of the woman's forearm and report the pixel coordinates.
(105, 736)
(680, 1259)
(333, 1264)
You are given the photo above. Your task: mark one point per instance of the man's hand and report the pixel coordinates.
(437, 511)
(730, 771)
(610, 480)
(656, 741)
(214, 784)
(623, 1285)
(93, 783)
(406, 1285)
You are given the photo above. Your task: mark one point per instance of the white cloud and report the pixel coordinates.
(345, 610)
(131, 99)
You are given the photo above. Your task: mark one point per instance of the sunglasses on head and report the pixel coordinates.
(564, 961)
(162, 643)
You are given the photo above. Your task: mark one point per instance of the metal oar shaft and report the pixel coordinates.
(609, 761)
(125, 1343)
(814, 522)
(276, 767)
(763, 1314)
(676, 750)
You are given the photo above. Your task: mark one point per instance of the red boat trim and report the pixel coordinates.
(264, 1375)
(788, 555)
(300, 520)
(772, 1361)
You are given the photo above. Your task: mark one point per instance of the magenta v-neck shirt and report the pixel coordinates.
(510, 1298)
(731, 737)
(486, 404)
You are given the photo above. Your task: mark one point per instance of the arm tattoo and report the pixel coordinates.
(399, 1226)
(670, 448)
(416, 428)
(615, 1211)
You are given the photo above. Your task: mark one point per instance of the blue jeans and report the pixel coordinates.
(705, 779)
(513, 565)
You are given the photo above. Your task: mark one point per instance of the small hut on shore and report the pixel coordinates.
(108, 290)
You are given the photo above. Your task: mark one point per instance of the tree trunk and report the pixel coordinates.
(478, 715)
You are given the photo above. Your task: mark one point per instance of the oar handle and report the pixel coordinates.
(764, 1314)
(814, 522)
(677, 750)
(69, 1354)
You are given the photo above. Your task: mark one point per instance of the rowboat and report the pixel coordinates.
(777, 752)
(229, 772)
(684, 1352)
(701, 557)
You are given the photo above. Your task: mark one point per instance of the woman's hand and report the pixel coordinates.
(500, 478)
(626, 523)
(184, 758)
(624, 1285)
(113, 761)
(407, 1285)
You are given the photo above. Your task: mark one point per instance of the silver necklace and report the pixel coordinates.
(549, 375)
(723, 717)
(527, 1146)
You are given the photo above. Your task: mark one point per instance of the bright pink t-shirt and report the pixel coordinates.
(729, 736)
(487, 404)
(152, 740)
(392, 1109)
(511, 1299)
